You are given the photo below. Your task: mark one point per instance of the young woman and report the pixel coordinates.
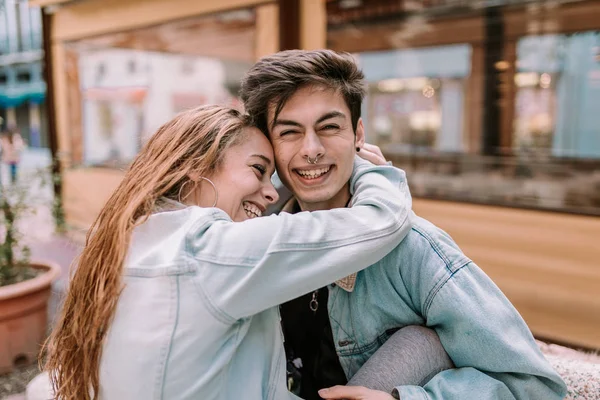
(12, 144)
(175, 294)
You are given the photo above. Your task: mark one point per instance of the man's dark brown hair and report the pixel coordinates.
(275, 78)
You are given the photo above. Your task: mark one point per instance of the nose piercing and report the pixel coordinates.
(312, 161)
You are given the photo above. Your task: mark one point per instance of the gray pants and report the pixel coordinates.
(411, 356)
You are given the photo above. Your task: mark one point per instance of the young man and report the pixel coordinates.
(309, 103)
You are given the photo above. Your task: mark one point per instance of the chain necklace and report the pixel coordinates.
(314, 302)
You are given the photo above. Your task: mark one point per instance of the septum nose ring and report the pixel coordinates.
(312, 161)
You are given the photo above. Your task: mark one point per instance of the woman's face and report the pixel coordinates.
(243, 180)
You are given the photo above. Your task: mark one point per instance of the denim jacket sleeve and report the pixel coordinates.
(496, 356)
(260, 263)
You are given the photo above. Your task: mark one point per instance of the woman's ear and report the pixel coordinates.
(194, 176)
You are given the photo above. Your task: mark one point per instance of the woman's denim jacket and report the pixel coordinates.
(198, 315)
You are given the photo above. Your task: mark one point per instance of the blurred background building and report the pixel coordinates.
(22, 87)
(491, 106)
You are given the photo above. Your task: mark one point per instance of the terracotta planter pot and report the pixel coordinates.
(24, 316)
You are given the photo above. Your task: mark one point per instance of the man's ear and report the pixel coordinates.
(359, 138)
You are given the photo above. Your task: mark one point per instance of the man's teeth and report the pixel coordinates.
(313, 173)
(252, 211)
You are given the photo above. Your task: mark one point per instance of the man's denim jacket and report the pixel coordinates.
(427, 280)
(198, 315)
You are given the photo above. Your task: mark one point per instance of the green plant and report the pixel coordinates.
(18, 201)
(57, 207)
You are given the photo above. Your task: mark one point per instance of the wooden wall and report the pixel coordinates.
(547, 264)
(83, 19)
(85, 190)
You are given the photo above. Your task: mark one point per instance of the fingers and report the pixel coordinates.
(371, 155)
(343, 392)
(373, 149)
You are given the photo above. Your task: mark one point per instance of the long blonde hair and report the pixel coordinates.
(193, 142)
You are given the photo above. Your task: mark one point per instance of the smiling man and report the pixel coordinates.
(308, 103)
(312, 137)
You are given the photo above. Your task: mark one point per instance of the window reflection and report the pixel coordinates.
(129, 83)
(486, 103)
(415, 100)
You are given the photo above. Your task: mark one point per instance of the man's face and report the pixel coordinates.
(314, 147)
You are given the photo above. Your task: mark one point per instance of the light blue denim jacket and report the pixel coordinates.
(198, 315)
(427, 280)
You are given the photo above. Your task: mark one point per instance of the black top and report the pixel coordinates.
(308, 337)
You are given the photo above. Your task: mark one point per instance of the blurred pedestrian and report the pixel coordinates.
(12, 145)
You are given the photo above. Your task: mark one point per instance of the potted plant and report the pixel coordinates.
(25, 285)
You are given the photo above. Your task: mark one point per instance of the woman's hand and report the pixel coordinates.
(372, 153)
(354, 393)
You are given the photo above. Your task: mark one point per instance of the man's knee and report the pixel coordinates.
(423, 340)
(423, 346)
(411, 356)
(419, 336)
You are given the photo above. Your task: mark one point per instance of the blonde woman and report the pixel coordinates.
(175, 294)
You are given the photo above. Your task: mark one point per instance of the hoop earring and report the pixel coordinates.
(181, 189)
(196, 184)
(214, 188)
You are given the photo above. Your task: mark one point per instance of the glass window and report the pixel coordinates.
(558, 92)
(124, 86)
(415, 97)
(485, 102)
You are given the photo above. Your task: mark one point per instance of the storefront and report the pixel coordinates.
(121, 68)
(493, 112)
(491, 105)
(558, 92)
(416, 97)
(485, 108)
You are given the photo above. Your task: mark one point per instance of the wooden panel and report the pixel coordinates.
(61, 101)
(508, 95)
(313, 24)
(85, 190)
(96, 17)
(472, 112)
(519, 21)
(44, 3)
(74, 105)
(406, 34)
(267, 30)
(563, 18)
(547, 264)
(207, 36)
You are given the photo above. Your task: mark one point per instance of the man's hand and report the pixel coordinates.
(372, 153)
(354, 393)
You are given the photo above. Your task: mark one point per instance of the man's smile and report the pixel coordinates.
(313, 175)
